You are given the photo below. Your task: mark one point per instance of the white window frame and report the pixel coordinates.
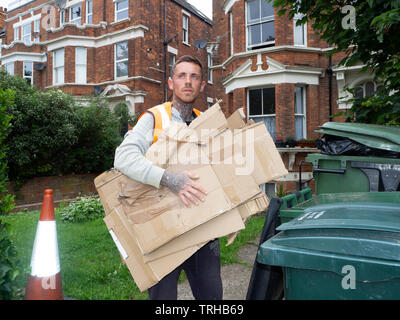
(363, 86)
(302, 115)
(62, 17)
(76, 19)
(10, 68)
(260, 22)
(81, 66)
(36, 30)
(119, 61)
(23, 71)
(231, 31)
(260, 117)
(171, 56)
(16, 34)
(120, 11)
(89, 14)
(58, 69)
(26, 37)
(185, 29)
(209, 70)
(302, 28)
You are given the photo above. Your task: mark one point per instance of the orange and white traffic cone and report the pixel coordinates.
(44, 281)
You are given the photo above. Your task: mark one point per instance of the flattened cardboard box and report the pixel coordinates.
(215, 228)
(168, 257)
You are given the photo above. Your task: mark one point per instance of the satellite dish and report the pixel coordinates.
(97, 90)
(40, 66)
(200, 44)
(60, 4)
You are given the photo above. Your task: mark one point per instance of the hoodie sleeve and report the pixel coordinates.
(129, 156)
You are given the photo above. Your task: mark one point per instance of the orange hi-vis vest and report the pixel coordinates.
(162, 117)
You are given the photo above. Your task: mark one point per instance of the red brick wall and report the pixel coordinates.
(30, 195)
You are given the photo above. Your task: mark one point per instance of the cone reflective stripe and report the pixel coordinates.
(44, 281)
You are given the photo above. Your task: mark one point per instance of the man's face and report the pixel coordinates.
(186, 83)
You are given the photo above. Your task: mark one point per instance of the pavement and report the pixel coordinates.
(235, 276)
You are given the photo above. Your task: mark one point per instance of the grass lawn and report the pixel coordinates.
(91, 266)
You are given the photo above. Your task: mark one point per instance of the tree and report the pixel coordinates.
(373, 41)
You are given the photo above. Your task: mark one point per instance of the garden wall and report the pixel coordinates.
(67, 187)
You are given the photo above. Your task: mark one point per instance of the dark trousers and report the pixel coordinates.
(203, 270)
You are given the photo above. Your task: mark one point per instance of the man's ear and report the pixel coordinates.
(203, 84)
(170, 84)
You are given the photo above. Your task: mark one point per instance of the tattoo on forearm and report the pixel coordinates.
(174, 181)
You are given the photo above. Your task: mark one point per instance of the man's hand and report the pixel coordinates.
(183, 185)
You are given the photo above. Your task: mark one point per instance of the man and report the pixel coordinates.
(202, 268)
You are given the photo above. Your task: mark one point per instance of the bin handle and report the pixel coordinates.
(336, 171)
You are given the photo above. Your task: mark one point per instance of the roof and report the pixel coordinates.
(193, 10)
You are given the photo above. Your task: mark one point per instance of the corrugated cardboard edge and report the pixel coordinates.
(251, 207)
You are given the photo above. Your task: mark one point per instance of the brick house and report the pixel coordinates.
(121, 48)
(277, 71)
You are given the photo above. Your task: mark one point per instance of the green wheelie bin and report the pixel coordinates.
(293, 206)
(356, 157)
(342, 250)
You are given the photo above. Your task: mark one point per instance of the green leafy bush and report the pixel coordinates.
(51, 135)
(98, 136)
(10, 265)
(83, 209)
(43, 129)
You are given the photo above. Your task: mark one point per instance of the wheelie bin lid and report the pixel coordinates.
(326, 237)
(371, 135)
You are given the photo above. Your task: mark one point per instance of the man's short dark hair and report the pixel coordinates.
(190, 59)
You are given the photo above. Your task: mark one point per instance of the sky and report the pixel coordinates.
(204, 6)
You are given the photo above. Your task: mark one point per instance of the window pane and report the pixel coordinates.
(122, 50)
(255, 102)
(298, 100)
(80, 74)
(60, 75)
(267, 10)
(58, 58)
(75, 12)
(122, 69)
(254, 34)
(28, 69)
(369, 89)
(253, 11)
(270, 124)
(80, 55)
(359, 93)
(122, 15)
(298, 34)
(89, 6)
(10, 68)
(299, 127)
(122, 5)
(268, 31)
(269, 100)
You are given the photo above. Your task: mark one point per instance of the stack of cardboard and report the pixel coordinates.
(153, 231)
